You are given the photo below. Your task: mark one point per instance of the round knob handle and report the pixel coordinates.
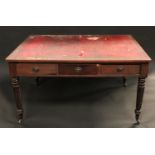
(120, 68)
(78, 69)
(35, 69)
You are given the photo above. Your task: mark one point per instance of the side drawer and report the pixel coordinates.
(120, 70)
(36, 69)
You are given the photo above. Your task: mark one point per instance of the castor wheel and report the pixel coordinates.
(20, 121)
(137, 122)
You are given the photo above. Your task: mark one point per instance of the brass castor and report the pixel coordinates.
(20, 121)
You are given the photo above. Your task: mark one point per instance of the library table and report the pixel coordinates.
(78, 56)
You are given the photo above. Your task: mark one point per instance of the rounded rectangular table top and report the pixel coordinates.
(79, 48)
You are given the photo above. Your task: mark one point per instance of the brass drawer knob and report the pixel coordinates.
(78, 69)
(35, 69)
(120, 68)
(97, 65)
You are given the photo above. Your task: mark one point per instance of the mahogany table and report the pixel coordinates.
(78, 56)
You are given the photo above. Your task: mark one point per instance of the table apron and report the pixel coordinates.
(77, 70)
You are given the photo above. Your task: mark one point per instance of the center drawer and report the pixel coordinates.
(36, 69)
(78, 69)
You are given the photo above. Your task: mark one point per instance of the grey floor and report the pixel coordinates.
(77, 103)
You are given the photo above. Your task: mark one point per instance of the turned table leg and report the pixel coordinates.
(140, 92)
(124, 81)
(17, 93)
(38, 81)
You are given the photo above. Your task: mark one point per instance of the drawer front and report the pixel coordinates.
(120, 70)
(78, 69)
(41, 69)
(36, 69)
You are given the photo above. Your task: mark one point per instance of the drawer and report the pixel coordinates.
(36, 69)
(120, 69)
(78, 69)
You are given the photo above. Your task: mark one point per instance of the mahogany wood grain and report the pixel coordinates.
(78, 69)
(17, 94)
(12, 69)
(36, 69)
(144, 70)
(124, 70)
(140, 92)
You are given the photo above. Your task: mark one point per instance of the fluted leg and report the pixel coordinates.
(17, 93)
(140, 92)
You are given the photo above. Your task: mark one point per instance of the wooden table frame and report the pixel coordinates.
(140, 91)
(74, 68)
